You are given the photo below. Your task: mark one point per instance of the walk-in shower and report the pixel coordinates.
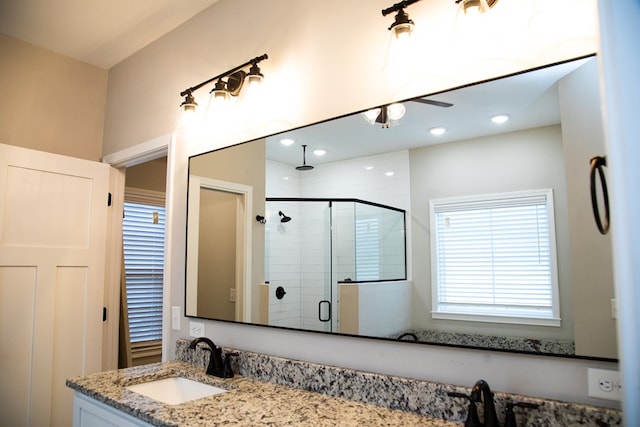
(326, 244)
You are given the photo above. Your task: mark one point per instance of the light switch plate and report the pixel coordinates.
(175, 317)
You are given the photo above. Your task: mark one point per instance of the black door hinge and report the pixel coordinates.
(109, 199)
(104, 314)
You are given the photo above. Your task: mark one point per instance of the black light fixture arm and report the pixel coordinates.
(253, 61)
(398, 7)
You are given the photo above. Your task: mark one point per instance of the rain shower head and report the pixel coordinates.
(304, 166)
(284, 217)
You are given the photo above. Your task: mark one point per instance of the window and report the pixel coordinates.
(494, 258)
(143, 241)
(367, 243)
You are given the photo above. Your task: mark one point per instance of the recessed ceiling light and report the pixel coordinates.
(390, 173)
(319, 152)
(285, 178)
(437, 130)
(500, 118)
(368, 168)
(287, 141)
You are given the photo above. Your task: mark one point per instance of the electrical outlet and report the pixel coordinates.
(196, 329)
(604, 384)
(232, 294)
(175, 317)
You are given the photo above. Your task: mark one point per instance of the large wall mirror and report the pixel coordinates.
(375, 224)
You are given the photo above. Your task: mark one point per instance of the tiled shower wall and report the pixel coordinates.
(290, 260)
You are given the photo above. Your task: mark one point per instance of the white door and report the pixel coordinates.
(53, 222)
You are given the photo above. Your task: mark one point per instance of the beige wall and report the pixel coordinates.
(327, 58)
(592, 268)
(242, 164)
(515, 161)
(50, 102)
(151, 175)
(217, 254)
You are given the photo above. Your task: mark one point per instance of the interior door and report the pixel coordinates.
(53, 222)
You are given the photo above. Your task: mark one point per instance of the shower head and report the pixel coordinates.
(304, 166)
(284, 217)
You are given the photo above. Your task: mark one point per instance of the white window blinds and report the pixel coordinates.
(143, 239)
(367, 243)
(494, 258)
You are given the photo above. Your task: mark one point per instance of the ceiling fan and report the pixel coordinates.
(387, 114)
(432, 102)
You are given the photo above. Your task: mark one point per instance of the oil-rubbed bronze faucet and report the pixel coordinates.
(216, 366)
(481, 392)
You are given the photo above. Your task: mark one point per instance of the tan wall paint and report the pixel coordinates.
(481, 166)
(50, 102)
(150, 175)
(217, 254)
(242, 164)
(349, 315)
(583, 136)
(326, 58)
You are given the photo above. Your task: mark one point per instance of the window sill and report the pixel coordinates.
(535, 321)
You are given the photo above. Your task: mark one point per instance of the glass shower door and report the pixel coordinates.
(298, 260)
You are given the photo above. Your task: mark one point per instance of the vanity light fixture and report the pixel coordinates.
(472, 7)
(500, 118)
(255, 76)
(402, 25)
(219, 93)
(189, 105)
(188, 111)
(225, 89)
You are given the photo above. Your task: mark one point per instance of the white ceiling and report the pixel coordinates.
(100, 32)
(531, 100)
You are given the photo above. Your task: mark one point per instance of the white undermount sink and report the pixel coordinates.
(175, 390)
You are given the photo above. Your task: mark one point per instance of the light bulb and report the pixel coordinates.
(395, 111)
(371, 115)
(403, 31)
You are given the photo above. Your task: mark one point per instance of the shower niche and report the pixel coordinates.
(333, 265)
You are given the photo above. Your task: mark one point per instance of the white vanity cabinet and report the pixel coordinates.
(88, 412)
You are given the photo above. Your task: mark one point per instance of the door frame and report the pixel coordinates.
(119, 161)
(243, 223)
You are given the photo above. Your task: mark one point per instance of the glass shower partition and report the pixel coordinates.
(327, 241)
(298, 259)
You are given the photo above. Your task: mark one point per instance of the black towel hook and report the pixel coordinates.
(597, 163)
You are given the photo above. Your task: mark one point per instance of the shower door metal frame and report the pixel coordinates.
(334, 281)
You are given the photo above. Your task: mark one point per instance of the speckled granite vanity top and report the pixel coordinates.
(248, 402)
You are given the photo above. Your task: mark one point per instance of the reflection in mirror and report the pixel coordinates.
(348, 246)
(325, 247)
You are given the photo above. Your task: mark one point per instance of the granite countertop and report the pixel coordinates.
(247, 402)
